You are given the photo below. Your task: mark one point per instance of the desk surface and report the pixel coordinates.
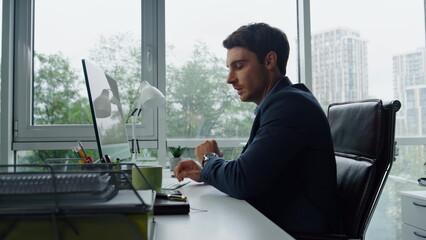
(215, 215)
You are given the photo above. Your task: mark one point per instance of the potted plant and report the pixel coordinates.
(177, 153)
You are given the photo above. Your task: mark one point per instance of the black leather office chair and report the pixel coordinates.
(364, 143)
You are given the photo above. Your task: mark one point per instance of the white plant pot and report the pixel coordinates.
(174, 162)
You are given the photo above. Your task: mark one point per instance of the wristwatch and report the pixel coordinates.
(207, 157)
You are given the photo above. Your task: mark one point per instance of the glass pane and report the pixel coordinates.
(200, 102)
(146, 156)
(107, 32)
(375, 49)
(386, 223)
(363, 52)
(51, 156)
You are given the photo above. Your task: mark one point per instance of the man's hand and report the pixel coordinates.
(187, 169)
(206, 147)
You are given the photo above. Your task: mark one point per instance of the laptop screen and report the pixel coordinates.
(104, 100)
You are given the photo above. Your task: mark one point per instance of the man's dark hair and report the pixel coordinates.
(261, 38)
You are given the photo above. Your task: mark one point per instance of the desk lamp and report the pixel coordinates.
(150, 97)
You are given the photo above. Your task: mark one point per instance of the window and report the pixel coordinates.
(49, 81)
(66, 32)
(50, 88)
(375, 58)
(200, 103)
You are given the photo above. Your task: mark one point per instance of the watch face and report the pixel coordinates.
(209, 155)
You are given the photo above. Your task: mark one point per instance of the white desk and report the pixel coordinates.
(225, 218)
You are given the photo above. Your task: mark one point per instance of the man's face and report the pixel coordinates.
(246, 75)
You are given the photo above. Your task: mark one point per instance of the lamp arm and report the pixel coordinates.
(134, 150)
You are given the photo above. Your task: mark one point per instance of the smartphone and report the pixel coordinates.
(174, 192)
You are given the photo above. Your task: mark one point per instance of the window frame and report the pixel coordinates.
(6, 153)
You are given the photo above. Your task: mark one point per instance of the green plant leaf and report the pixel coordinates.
(177, 151)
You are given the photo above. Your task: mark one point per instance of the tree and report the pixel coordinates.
(57, 98)
(120, 56)
(200, 104)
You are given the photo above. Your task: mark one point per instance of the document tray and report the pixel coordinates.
(95, 188)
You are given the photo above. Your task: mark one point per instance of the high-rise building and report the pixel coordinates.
(339, 66)
(409, 86)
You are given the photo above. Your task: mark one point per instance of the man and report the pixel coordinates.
(287, 169)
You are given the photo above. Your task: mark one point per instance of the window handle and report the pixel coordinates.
(419, 205)
(419, 235)
(149, 58)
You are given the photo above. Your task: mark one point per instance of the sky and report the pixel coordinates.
(389, 26)
(74, 27)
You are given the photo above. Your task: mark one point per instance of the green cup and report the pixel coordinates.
(152, 173)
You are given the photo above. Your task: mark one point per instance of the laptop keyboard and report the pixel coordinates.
(173, 183)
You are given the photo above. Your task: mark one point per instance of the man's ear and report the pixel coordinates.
(271, 60)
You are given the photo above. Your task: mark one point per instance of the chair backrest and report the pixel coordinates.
(364, 143)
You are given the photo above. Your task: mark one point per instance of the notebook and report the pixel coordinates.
(167, 207)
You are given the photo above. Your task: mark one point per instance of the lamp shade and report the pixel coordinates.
(103, 105)
(150, 97)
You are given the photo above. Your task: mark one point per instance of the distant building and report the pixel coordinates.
(339, 66)
(409, 86)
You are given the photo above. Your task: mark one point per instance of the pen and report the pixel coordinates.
(78, 154)
(171, 197)
(74, 150)
(82, 149)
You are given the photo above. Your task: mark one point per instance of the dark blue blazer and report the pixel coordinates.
(287, 169)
